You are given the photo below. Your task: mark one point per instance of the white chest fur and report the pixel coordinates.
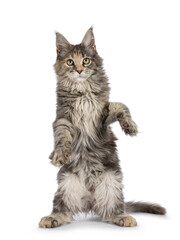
(86, 113)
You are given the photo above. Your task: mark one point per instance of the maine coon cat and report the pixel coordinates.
(90, 178)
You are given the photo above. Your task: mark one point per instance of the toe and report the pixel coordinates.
(48, 222)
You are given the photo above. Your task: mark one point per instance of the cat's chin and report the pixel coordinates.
(79, 78)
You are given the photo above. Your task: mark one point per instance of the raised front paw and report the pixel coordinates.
(129, 127)
(60, 156)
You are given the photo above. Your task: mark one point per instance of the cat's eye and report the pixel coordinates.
(86, 61)
(70, 62)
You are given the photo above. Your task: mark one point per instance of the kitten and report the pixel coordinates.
(90, 178)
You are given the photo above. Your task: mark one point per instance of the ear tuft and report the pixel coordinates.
(55, 32)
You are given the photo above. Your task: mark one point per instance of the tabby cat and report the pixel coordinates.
(90, 178)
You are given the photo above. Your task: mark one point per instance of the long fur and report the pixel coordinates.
(90, 178)
(145, 207)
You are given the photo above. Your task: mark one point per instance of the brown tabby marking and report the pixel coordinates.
(78, 60)
(90, 178)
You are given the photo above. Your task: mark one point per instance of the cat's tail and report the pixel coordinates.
(145, 207)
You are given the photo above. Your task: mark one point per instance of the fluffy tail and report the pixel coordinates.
(145, 207)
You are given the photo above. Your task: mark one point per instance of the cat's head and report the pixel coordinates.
(77, 62)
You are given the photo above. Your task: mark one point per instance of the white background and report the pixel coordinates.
(140, 44)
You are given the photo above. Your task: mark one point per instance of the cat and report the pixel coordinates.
(90, 178)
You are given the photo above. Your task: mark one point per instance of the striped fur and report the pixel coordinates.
(90, 178)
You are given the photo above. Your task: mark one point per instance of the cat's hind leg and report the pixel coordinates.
(68, 200)
(109, 200)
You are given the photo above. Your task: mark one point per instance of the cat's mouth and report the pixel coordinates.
(79, 77)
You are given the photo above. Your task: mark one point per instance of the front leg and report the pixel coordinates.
(63, 132)
(119, 112)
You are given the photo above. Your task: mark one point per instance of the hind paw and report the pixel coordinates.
(122, 221)
(55, 220)
(48, 222)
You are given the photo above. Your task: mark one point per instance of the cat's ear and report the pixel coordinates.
(62, 44)
(89, 40)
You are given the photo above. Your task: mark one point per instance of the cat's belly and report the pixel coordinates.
(87, 147)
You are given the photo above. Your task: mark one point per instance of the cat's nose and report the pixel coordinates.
(79, 70)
